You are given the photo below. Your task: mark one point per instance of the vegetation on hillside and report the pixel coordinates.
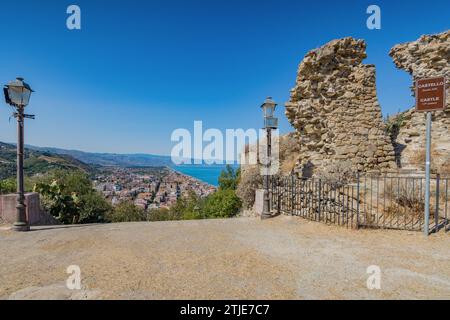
(36, 162)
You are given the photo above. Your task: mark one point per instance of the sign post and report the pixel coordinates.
(426, 228)
(430, 96)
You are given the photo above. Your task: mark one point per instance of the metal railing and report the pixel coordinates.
(388, 201)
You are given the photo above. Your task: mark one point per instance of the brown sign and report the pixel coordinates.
(430, 94)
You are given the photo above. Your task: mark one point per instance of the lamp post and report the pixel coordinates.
(17, 94)
(270, 123)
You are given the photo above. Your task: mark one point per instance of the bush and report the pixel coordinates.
(222, 204)
(187, 208)
(8, 186)
(126, 212)
(70, 198)
(160, 214)
(61, 204)
(250, 181)
(405, 200)
(394, 124)
(93, 208)
(229, 178)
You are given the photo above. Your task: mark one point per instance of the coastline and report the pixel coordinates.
(191, 177)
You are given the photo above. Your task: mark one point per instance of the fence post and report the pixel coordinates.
(436, 214)
(292, 194)
(278, 196)
(320, 198)
(357, 200)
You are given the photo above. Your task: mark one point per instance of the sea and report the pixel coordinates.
(206, 173)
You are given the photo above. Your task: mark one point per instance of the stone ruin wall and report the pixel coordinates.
(427, 57)
(337, 117)
(335, 111)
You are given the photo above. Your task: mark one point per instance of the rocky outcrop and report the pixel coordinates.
(335, 110)
(427, 57)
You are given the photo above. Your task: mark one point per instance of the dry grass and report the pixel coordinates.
(405, 198)
(250, 181)
(337, 174)
(289, 153)
(419, 159)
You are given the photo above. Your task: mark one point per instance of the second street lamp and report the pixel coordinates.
(270, 123)
(17, 94)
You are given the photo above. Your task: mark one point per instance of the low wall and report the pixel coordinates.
(35, 215)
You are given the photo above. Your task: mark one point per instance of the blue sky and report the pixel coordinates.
(140, 69)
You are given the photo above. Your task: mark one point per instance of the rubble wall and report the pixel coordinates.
(335, 110)
(427, 57)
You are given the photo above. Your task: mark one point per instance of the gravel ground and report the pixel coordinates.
(245, 258)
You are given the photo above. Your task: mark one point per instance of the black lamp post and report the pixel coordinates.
(270, 123)
(17, 94)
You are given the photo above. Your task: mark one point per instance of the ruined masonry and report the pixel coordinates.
(335, 110)
(425, 58)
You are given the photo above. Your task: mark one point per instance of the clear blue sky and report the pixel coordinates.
(139, 69)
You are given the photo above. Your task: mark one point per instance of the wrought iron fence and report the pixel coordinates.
(389, 201)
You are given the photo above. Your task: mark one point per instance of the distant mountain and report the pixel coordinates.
(37, 161)
(111, 159)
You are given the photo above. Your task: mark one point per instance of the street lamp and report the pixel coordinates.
(17, 94)
(270, 123)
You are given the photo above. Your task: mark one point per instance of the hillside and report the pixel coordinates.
(110, 159)
(36, 161)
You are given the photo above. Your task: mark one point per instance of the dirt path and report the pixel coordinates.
(245, 258)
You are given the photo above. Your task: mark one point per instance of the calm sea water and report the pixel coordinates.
(205, 173)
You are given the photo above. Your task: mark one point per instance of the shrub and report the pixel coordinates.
(70, 198)
(126, 212)
(64, 206)
(161, 214)
(405, 199)
(229, 178)
(250, 181)
(222, 204)
(186, 208)
(8, 186)
(289, 153)
(93, 208)
(393, 125)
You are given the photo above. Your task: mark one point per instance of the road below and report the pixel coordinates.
(245, 258)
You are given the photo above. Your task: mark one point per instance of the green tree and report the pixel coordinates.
(126, 212)
(160, 214)
(186, 208)
(229, 178)
(94, 208)
(222, 204)
(63, 206)
(70, 197)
